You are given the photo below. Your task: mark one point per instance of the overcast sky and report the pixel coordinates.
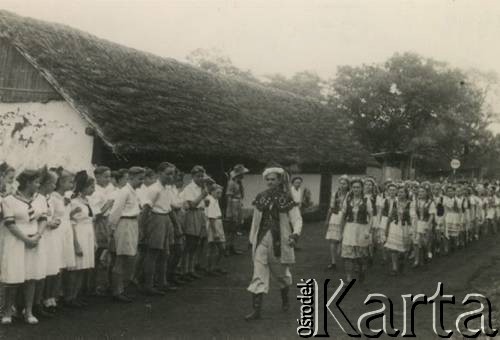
(287, 36)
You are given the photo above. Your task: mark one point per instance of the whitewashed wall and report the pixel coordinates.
(254, 184)
(35, 134)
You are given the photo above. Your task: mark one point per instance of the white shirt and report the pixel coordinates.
(101, 196)
(160, 198)
(191, 192)
(126, 204)
(213, 208)
(297, 194)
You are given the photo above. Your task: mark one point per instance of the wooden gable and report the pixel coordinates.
(20, 82)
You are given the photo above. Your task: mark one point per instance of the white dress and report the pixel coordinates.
(84, 232)
(61, 211)
(20, 263)
(52, 241)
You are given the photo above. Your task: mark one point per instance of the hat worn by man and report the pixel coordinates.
(238, 169)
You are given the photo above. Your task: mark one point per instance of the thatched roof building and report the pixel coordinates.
(140, 104)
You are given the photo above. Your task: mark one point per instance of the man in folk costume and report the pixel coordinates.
(234, 209)
(275, 230)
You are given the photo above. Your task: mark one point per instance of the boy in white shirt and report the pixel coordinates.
(215, 231)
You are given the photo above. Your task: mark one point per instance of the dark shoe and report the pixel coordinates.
(40, 311)
(73, 304)
(331, 266)
(285, 304)
(233, 251)
(121, 298)
(257, 307)
(178, 281)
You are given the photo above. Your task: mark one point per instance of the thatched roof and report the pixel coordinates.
(140, 103)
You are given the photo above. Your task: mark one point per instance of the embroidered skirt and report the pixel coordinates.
(355, 240)
(398, 238)
(334, 231)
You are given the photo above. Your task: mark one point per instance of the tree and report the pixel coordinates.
(213, 61)
(414, 104)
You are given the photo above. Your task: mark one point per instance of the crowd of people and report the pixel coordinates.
(67, 236)
(406, 223)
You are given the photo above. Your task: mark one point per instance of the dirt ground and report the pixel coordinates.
(213, 308)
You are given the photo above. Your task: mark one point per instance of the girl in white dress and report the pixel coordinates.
(52, 238)
(62, 209)
(356, 216)
(452, 206)
(371, 193)
(82, 217)
(334, 220)
(423, 213)
(22, 263)
(490, 211)
(398, 233)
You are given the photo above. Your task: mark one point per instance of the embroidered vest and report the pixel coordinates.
(440, 207)
(406, 218)
(336, 203)
(362, 216)
(426, 214)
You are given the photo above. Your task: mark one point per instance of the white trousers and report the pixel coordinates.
(265, 264)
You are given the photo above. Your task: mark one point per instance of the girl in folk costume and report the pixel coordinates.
(334, 220)
(438, 237)
(480, 212)
(61, 211)
(23, 261)
(469, 209)
(398, 232)
(385, 211)
(234, 207)
(452, 207)
(52, 240)
(276, 226)
(371, 193)
(356, 216)
(423, 212)
(82, 220)
(490, 210)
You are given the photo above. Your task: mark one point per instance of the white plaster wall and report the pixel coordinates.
(50, 134)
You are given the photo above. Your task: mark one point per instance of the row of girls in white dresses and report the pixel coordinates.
(48, 238)
(407, 221)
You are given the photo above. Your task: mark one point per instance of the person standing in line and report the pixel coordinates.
(22, 263)
(82, 219)
(142, 192)
(179, 238)
(276, 227)
(62, 210)
(193, 197)
(101, 202)
(160, 224)
(215, 233)
(234, 208)
(124, 225)
(334, 221)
